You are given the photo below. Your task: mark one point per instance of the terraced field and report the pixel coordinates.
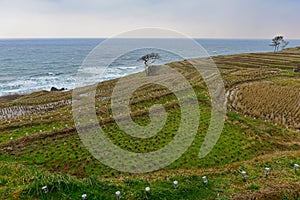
(40, 145)
(268, 101)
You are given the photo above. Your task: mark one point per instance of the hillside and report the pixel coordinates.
(40, 146)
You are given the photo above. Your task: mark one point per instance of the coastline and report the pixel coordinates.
(55, 62)
(13, 96)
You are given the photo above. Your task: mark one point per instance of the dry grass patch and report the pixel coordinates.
(268, 101)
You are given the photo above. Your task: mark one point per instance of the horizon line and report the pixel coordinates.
(37, 38)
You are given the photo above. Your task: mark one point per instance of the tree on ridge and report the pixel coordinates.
(277, 41)
(148, 60)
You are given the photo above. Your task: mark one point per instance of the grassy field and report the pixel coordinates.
(40, 146)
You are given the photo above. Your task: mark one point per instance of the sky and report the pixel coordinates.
(251, 19)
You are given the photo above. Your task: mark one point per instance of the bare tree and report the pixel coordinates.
(148, 60)
(277, 41)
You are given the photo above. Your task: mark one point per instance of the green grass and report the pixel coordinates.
(66, 154)
(59, 160)
(26, 182)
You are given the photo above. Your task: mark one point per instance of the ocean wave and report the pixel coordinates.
(6, 60)
(126, 68)
(49, 66)
(47, 74)
(23, 86)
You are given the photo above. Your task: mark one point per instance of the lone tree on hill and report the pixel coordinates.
(278, 41)
(148, 60)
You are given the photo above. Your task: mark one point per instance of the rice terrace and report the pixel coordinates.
(256, 156)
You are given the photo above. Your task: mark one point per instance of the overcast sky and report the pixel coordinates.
(196, 18)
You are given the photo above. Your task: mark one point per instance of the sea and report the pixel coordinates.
(29, 65)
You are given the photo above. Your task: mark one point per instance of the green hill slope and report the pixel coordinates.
(40, 146)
